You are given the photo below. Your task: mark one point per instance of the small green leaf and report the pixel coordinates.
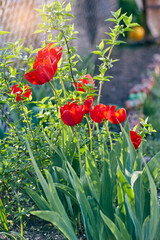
(39, 31)
(68, 7)
(97, 52)
(4, 32)
(101, 45)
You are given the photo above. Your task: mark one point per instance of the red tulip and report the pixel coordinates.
(87, 79)
(21, 94)
(45, 65)
(119, 116)
(100, 113)
(87, 106)
(71, 114)
(135, 139)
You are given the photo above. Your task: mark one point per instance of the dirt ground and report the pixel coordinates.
(133, 60)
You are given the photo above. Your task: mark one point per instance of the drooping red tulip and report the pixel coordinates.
(85, 80)
(100, 113)
(45, 65)
(71, 114)
(87, 105)
(135, 139)
(117, 117)
(21, 94)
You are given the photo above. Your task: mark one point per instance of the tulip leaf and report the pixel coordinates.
(39, 201)
(154, 166)
(128, 191)
(154, 205)
(113, 228)
(67, 190)
(92, 174)
(87, 213)
(107, 180)
(138, 229)
(57, 221)
(123, 228)
(146, 235)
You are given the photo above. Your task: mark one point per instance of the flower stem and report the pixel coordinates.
(55, 92)
(79, 153)
(28, 124)
(109, 134)
(90, 133)
(70, 65)
(64, 91)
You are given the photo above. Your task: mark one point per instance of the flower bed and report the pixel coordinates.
(60, 150)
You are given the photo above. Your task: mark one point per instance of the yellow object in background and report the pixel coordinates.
(138, 33)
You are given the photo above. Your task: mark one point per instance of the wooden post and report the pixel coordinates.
(145, 17)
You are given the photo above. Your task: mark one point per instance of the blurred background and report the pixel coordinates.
(20, 18)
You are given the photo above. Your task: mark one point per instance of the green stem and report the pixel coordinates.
(79, 153)
(64, 91)
(70, 65)
(55, 92)
(21, 223)
(29, 126)
(109, 134)
(90, 133)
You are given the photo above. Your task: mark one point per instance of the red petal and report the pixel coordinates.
(87, 105)
(100, 113)
(135, 139)
(71, 114)
(43, 73)
(117, 117)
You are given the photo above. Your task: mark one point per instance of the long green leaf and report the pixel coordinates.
(107, 185)
(42, 180)
(132, 151)
(154, 205)
(146, 234)
(93, 175)
(39, 201)
(123, 229)
(138, 229)
(112, 227)
(87, 213)
(126, 188)
(154, 166)
(3, 216)
(57, 221)
(139, 196)
(59, 206)
(67, 190)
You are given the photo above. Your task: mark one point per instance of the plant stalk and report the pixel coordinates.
(79, 153)
(90, 133)
(109, 134)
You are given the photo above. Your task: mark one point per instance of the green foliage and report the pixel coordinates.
(131, 7)
(127, 214)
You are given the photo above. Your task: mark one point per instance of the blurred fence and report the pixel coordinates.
(20, 18)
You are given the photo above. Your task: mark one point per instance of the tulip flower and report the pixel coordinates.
(85, 80)
(21, 94)
(87, 105)
(100, 113)
(117, 117)
(135, 139)
(71, 114)
(45, 65)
